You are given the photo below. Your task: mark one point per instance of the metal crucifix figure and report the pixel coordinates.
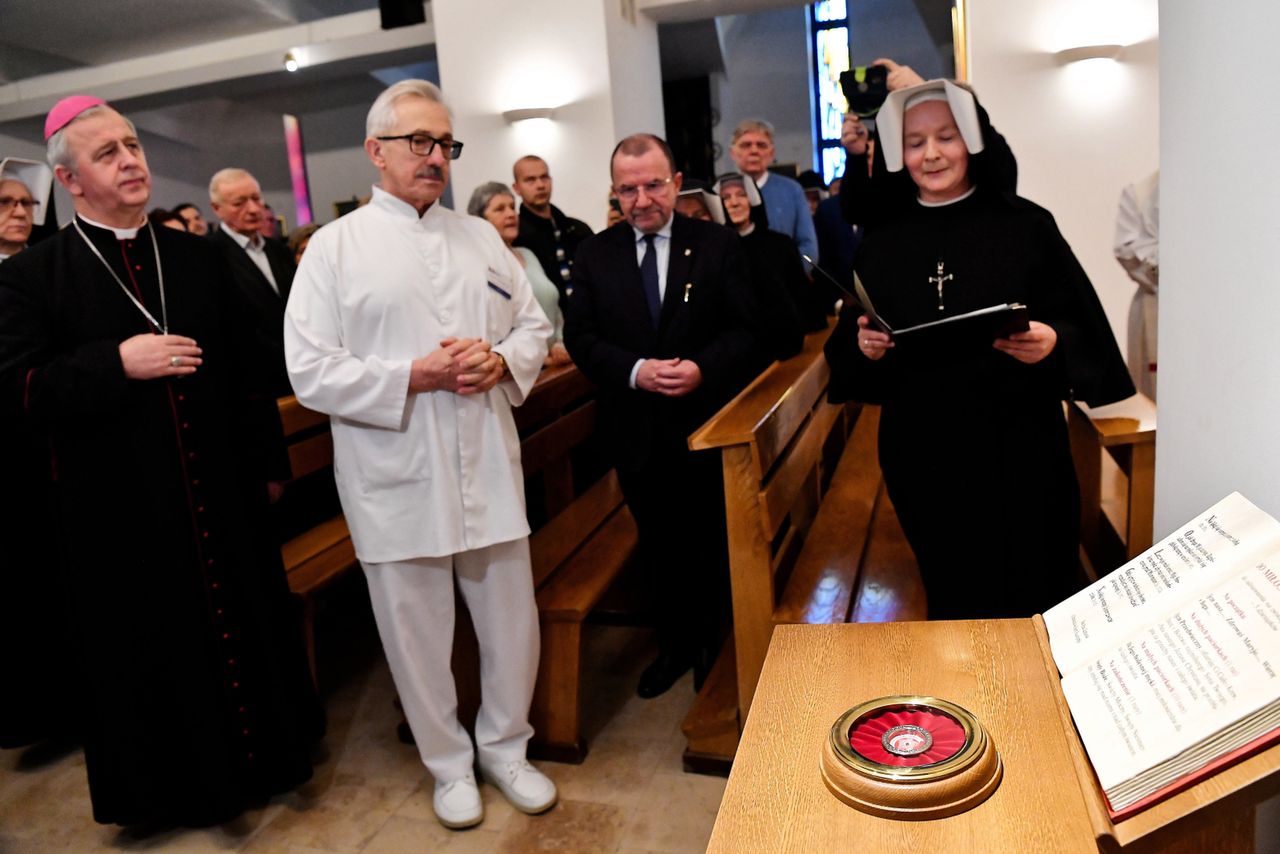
(940, 280)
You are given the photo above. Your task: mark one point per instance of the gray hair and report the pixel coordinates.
(56, 150)
(382, 115)
(484, 194)
(225, 176)
(753, 126)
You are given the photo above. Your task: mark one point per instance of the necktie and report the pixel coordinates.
(649, 277)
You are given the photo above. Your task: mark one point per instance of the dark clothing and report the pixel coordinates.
(792, 304)
(675, 495)
(265, 306)
(555, 241)
(973, 443)
(196, 700)
(837, 245)
(34, 628)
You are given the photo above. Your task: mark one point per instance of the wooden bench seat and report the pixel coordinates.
(1114, 451)
(587, 541)
(322, 554)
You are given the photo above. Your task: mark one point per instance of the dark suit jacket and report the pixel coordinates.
(607, 329)
(263, 304)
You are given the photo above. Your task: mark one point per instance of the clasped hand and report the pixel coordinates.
(461, 365)
(672, 377)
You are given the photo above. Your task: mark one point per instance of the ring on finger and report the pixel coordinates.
(175, 361)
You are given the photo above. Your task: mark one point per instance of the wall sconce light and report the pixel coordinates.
(290, 62)
(1092, 51)
(524, 115)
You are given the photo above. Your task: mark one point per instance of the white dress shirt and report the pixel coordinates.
(434, 473)
(255, 247)
(662, 246)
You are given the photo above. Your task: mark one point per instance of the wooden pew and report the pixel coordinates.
(812, 536)
(319, 556)
(587, 540)
(1114, 450)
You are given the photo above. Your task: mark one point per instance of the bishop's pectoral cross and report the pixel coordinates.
(940, 280)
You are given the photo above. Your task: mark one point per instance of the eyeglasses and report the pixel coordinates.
(422, 145)
(8, 203)
(651, 189)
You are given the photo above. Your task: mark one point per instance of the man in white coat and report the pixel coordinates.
(416, 330)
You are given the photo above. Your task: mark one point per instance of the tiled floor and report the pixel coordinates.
(371, 794)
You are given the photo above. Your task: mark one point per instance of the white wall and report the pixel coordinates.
(599, 72)
(766, 57)
(1220, 218)
(1081, 131)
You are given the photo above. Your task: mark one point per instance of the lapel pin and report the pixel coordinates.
(688, 252)
(687, 287)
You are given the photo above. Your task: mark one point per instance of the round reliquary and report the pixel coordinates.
(911, 758)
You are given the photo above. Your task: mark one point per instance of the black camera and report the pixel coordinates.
(865, 88)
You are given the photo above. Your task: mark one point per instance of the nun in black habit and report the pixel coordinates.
(973, 443)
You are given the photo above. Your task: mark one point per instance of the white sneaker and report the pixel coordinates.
(527, 788)
(457, 802)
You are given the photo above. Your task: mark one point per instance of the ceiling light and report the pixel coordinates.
(290, 62)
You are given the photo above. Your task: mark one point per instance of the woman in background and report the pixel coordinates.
(496, 203)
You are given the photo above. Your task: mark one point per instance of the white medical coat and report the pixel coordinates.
(419, 475)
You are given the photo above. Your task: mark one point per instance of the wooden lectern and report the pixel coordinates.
(1000, 670)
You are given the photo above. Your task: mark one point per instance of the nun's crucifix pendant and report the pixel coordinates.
(940, 280)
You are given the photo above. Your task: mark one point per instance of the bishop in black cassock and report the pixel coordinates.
(195, 696)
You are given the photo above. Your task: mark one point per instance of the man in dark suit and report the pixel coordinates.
(658, 321)
(263, 269)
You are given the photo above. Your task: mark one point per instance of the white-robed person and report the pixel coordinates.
(416, 330)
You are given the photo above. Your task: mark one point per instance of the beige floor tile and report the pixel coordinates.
(675, 813)
(340, 816)
(400, 835)
(570, 827)
(617, 765)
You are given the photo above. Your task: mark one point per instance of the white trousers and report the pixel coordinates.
(413, 604)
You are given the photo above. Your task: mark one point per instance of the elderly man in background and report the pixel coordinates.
(262, 269)
(117, 347)
(416, 330)
(753, 151)
(193, 218)
(544, 228)
(24, 197)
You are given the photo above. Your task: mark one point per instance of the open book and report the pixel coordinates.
(990, 323)
(1171, 664)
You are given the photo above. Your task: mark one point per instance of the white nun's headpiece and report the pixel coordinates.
(36, 176)
(889, 120)
(749, 186)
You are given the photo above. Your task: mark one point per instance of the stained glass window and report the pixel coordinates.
(829, 26)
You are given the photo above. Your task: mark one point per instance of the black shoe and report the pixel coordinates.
(659, 676)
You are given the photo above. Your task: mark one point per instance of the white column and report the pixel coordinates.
(597, 68)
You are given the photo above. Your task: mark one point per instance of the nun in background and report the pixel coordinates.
(792, 304)
(973, 443)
